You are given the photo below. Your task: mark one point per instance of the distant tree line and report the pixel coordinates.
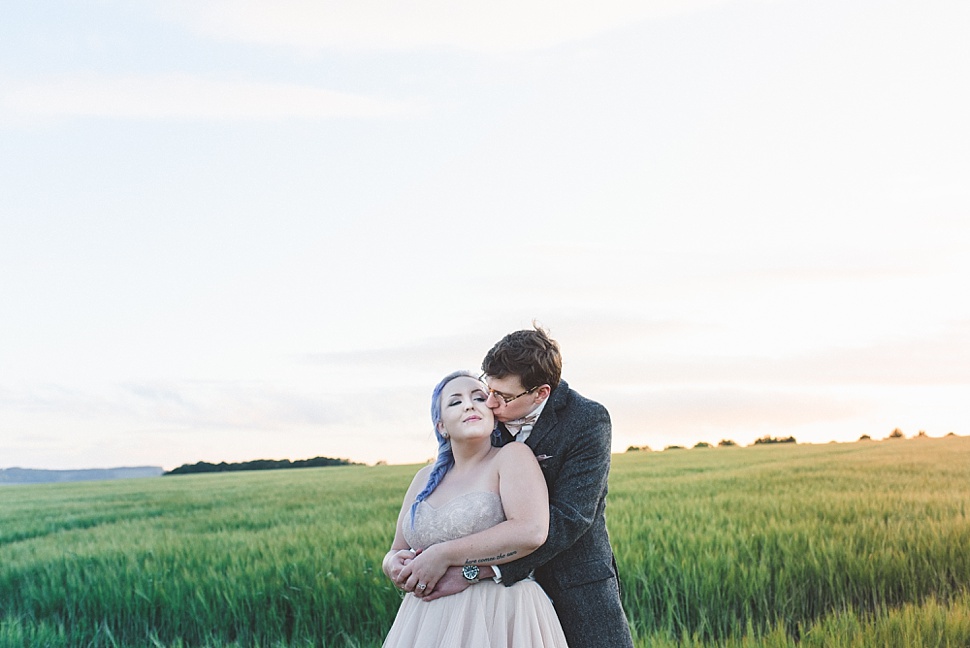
(258, 464)
(895, 434)
(771, 439)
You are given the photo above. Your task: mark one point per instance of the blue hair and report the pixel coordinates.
(446, 458)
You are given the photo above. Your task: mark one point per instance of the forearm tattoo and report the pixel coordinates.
(485, 561)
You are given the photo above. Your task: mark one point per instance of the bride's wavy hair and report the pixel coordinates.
(446, 458)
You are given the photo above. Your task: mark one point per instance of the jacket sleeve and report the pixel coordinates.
(575, 494)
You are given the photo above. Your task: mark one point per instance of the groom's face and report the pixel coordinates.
(508, 387)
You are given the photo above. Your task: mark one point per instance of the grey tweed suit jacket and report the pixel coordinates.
(572, 441)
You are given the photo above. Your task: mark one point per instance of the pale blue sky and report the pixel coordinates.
(233, 230)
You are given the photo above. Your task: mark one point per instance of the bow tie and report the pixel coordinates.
(522, 424)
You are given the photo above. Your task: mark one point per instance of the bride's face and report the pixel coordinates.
(464, 413)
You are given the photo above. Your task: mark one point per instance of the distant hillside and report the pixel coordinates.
(258, 464)
(34, 476)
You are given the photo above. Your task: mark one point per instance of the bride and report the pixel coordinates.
(477, 505)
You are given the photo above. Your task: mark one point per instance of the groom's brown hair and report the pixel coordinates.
(531, 355)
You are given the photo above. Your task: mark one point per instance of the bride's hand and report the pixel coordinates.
(426, 569)
(394, 563)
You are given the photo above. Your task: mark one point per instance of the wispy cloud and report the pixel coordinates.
(230, 405)
(611, 349)
(477, 25)
(186, 405)
(943, 359)
(187, 97)
(173, 422)
(700, 411)
(443, 354)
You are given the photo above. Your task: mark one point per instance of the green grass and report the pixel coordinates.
(718, 544)
(864, 544)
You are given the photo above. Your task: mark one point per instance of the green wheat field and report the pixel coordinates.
(860, 544)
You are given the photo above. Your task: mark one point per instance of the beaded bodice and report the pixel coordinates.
(461, 516)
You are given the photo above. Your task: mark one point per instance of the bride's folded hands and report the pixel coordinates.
(425, 569)
(394, 562)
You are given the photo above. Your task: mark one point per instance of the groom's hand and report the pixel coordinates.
(451, 583)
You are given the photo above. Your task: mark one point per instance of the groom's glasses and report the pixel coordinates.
(502, 397)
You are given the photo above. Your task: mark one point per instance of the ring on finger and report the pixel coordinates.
(422, 586)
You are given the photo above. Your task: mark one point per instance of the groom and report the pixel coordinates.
(570, 436)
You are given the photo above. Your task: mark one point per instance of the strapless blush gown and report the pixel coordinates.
(485, 615)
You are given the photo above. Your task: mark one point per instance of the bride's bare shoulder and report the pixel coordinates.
(516, 453)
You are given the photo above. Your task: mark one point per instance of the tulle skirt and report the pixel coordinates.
(485, 615)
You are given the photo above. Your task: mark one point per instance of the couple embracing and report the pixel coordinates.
(511, 514)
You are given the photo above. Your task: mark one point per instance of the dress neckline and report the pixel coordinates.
(459, 497)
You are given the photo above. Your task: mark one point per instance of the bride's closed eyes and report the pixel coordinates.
(481, 397)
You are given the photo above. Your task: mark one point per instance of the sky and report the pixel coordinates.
(242, 230)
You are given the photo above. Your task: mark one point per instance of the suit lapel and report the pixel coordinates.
(550, 416)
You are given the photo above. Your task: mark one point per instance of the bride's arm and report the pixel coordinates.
(526, 503)
(400, 553)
